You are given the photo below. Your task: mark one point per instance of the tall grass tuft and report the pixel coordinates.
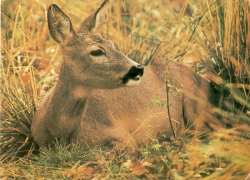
(17, 112)
(19, 92)
(215, 40)
(226, 38)
(18, 103)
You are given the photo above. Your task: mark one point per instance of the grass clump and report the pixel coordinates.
(226, 39)
(183, 158)
(16, 140)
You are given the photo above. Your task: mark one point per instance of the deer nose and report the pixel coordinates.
(134, 73)
(140, 69)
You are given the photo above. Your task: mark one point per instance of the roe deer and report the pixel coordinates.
(91, 102)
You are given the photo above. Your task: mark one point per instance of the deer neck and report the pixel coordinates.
(69, 100)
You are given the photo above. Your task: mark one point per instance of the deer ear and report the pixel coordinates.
(60, 26)
(94, 21)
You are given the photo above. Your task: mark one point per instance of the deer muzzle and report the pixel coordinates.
(133, 76)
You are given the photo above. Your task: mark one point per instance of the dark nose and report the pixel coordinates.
(133, 73)
(140, 69)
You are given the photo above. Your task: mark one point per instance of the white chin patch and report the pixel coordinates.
(133, 82)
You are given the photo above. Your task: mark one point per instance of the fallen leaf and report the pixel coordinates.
(164, 144)
(197, 176)
(171, 156)
(138, 169)
(80, 172)
(39, 171)
(218, 169)
(127, 164)
(180, 167)
(87, 173)
(161, 176)
(101, 161)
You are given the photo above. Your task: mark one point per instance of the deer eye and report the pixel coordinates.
(97, 52)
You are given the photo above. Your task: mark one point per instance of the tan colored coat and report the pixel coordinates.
(91, 102)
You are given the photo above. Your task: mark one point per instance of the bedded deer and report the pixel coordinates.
(92, 102)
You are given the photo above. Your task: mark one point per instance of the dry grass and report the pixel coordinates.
(211, 36)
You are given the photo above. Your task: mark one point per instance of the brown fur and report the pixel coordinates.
(90, 104)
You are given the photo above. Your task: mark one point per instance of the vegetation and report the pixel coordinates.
(212, 36)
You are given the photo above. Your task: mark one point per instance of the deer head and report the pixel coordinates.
(90, 60)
